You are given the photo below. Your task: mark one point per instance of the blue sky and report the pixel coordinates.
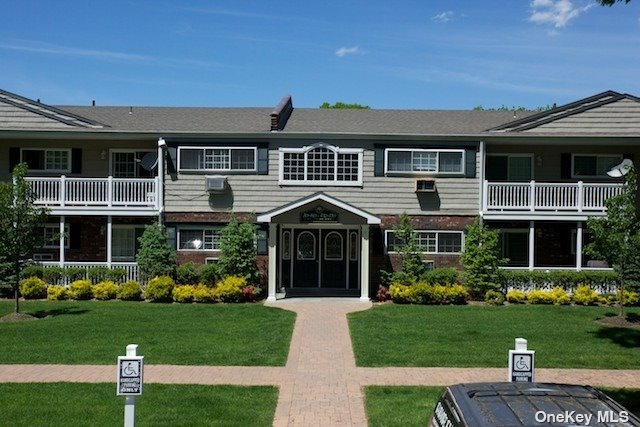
(411, 54)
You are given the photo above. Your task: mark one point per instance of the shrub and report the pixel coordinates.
(117, 275)
(422, 293)
(209, 274)
(481, 259)
(75, 273)
(155, 257)
(383, 294)
(494, 297)
(238, 251)
(627, 297)
(441, 276)
(33, 271)
(539, 296)
(53, 275)
(33, 288)
(97, 274)
(559, 296)
(159, 289)
(56, 293)
(203, 293)
(229, 289)
(129, 291)
(515, 296)
(187, 274)
(250, 293)
(455, 294)
(183, 293)
(105, 290)
(584, 295)
(399, 293)
(80, 290)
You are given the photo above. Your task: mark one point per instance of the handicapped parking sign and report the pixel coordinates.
(130, 375)
(521, 366)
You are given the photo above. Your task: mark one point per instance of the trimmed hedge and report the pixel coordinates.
(422, 293)
(159, 289)
(566, 279)
(33, 288)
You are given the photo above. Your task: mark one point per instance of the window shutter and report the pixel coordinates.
(263, 160)
(470, 163)
(14, 157)
(378, 161)
(172, 160)
(76, 160)
(565, 166)
(75, 237)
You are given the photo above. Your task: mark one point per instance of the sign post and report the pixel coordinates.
(130, 368)
(521, 363)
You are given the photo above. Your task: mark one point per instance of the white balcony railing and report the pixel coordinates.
(97, 192)
(548, 197)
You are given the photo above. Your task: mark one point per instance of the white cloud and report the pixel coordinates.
(344, 51)
(443, 17)
(557, 13)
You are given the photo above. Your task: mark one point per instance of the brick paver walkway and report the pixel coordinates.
(320, 384)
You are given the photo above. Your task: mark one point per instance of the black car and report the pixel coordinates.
(528, 404)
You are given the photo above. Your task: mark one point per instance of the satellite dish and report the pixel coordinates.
(622, 169)
(149, 161)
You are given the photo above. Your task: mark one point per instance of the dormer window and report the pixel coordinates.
(321, 164)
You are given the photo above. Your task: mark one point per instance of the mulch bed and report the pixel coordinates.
(17, 317)
(620, 322)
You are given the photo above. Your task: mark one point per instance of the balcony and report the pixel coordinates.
(96, 196)
(510, 200)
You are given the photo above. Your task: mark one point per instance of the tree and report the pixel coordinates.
(611, 2)
(616, 236)
(344, 106)
(481, 259)
(155, 257)
(20, 222)
(238, 251)
(408, 249)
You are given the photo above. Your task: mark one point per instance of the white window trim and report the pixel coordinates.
(45, 170)
(57, 231)
(510, 155)
(437, 232)
(573, 156)
(230, 148)
(332, 183)
(124, 150)
(195, 228)
(424, 150)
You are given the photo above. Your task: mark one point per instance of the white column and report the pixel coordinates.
(62, 241)
(160, 178)
(364, 262)
(482, 183)
(579, 246)
(273, 258)
(109, 238)
(532, 245)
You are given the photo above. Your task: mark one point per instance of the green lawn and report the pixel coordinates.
(64, 404)
(469, 336)
(412, 406)
(91, 332)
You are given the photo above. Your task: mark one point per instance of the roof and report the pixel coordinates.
(607, 113)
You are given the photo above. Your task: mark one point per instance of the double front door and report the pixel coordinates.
(320, 258)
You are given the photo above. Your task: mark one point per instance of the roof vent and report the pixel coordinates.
(281, 113)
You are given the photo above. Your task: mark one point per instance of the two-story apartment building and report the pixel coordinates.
(325, 187)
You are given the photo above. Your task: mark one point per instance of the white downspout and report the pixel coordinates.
(481, 194)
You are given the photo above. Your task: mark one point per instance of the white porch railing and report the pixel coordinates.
(131, 268)
(99, 192)
(545, 196)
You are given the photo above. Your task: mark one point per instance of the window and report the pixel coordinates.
(333, 246)
(124, 242)
(127, 164)
(240, 159)
(509, 167)
(321, 164)
(286, 245)
(424, 161)
(306, 246)
(430, 242)
(594, 166)
(194, 239)
(51, 236)
(47, 160)
(515, 246)
(353, 246)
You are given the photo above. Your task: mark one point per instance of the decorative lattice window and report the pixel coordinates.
(321, 164)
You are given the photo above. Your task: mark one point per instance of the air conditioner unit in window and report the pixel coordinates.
(216, 184)
(427, 185)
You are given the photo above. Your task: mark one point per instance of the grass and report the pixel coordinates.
(63, 404)
(91, 332)
(480, 336)
(413, 406)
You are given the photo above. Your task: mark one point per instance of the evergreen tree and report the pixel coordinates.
(155, 257)
(410, 253)
(481, 259)
(238, 251)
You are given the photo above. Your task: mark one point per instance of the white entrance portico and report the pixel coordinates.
(318, 242)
